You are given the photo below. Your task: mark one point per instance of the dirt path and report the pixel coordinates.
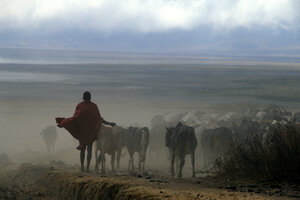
(34, 182)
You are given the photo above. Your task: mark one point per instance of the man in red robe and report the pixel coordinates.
(84, 126)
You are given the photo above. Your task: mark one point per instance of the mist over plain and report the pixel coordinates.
(140, 59)
(32, 95)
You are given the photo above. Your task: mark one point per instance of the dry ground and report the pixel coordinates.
(59, 181)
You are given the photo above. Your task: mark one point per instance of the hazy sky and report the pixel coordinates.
(152, 25)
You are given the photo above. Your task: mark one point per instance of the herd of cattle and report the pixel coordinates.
(180, 140)
(111, 141)
(180, 133)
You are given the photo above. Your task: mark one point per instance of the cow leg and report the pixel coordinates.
(96, 159)
(144, 160)
(119, 158)
(140, 160)
(143, 165)
(103, 159)
(99, 160)
(172, 163)
(129, 159)
(89, 156)
(112, 161)
(182, 161)
(177, 164)
(130, 163)
(193, 163)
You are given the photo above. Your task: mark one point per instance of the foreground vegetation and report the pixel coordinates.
(273, 155)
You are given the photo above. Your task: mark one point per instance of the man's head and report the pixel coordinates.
(86, 96)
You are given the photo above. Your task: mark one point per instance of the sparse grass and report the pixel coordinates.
(274, 156)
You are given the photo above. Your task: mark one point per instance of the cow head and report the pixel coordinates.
(145, 130)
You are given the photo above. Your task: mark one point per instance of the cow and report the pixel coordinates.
(119, 131)
(157, 131)
(206, 144)
(108, 143)
(215, 142)
(49, 135)
(181, 140)
(136, 140)
(144, 146)
(246, 129)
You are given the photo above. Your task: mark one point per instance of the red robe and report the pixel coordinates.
(85, 123)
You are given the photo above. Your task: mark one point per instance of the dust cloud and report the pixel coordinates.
(130, 95)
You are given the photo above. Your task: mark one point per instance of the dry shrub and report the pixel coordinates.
(274, 156)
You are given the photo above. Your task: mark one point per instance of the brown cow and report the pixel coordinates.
(136, 140)
(108, 143)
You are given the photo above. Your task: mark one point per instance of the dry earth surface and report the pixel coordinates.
(57, 180)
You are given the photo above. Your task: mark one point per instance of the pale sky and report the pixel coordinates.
(152, 25)
(147, 15)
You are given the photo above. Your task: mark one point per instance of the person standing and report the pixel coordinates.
(84, 126)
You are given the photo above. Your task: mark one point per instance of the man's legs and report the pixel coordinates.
(82, 155)
(89, 156)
